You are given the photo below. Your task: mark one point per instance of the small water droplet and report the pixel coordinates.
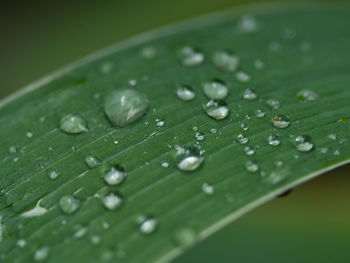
(260, 114)
(53, 175)
(12, 150)
(185, 93)
(125, 106)
(191, 56)
(307, 95)
(148, 52)
(73, 124)
(160, 123)
(95, 239)
(332, 136)
(252, 166)
(244, 127)
(21, 243)
(303, 143)
(41, 254)
(281, 121)
(259, 64)
(226, 61)
(215, 89)
(275, 47)
(132, 82)
(189, 158)
(243, 76)
(147, 225)
(305, 46)
(249, 150)
(273, 104)
(112, 201)
(250, 94)
(200, 136)
(213, 130)
(277, 175)
(323, 150)
(80, 231)
(165, 164)
(273, 140)
(115, 175)
(242, 139)
(107, 67)
(217, 109)
(336, 152)
(185, 237)
(29, 135)
(92, 161)
(69, 204)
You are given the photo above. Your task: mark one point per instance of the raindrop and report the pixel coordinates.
(189, 158)
(125, 106)
(226, 61)
(41, 254)
(73, 124)
(217, 109)
(252, 166)
(53, 175)
(115, 175)
(92, 161)
(273, 140)
(191, 56)
(281, 121)
(185, 93)
(69, 204)
(112, 201)
(307, 95)
(148, 52)
(273, 104)
(249, 150)
(147, 225)
(215, 89)
(242, 139)
(207, 189)
(243, 76)
(304, 143)
(250, 94)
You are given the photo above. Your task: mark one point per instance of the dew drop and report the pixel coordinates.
(41, 254)
(73, 124)
(307, 95)
(244, 127)
(160, 123)
(281, 121)
(191, 56)
(29, 135)
(332, 136)
(185, 93)
(277, 175)
(273, 140)
(112, 201)
(165, 164)
(241, 139)
(213, 130)
(217, 109)
(189, 158)
(249, 150)
(125, 106)
(21, 243)
(200, 136)
(215, 89)
(69, 204)
(185, 237)
(92, 161)
(226, 61)
(250, 94)
(208, 189)
(95, 239)
(53, 175)
(243, 76)
(273, 104)
(251, 166)
(115, 175)
(260, 114)
(303, 143)
(12, 150)
(148, 225)
(80, 231)
(148, 52)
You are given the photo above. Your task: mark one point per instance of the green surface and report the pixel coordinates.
(173, 197)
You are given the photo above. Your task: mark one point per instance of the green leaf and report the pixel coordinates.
(284, 50)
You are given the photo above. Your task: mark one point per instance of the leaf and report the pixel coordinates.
(285, 50)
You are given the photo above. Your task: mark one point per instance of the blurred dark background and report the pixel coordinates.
(312, 224)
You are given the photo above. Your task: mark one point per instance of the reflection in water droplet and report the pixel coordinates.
(69, 204)
(41, 254)
(112, 201)
(125, 106)
(73, 124)
(207, 189)
(281, 121)
(185, 93)
(242, 139)
(189, 158)
(273, 140)
(115, 175)
(92, 161)
(215, 89)
(243, 76)
(250, 94)
(252, 166)
(226, 61)
(303, 143)
(217, 109)
(307, 95)
(191, 56)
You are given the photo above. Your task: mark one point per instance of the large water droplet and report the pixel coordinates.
(217, 109)
(191, 56)
(189, 158)
(215, 89)
(185, 93)
(251, 166)
(226, 61)
(303, 143)
(41, 254)
(273, 140)
(281, 121)
(125, 106)
(307, 95)
(115, 175)
(69, 204)
(112, 201)
(250, 94)
(147, 225)
(73, 124)
(92, 161)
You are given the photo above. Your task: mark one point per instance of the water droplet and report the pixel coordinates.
(112, 201)
(80, 231)
(247, 24)
(41, 254)
(244, 127)
(243, 76)
(160, 123)
(260, 114)
(323, 150)
(332, 136)
(304, 143)
(249, 150)
(250, 94)
(213, 130)
(273, 104)
(36, 211)
(226, 61)
(307, 95)
(189, 158)
(53, 175)
(21, 243)
(242, 139)
(107, 67)
(73, 124)
(115, 175)
(95, 240)
(132, 82)
(215, 89)
(29, 135)
(191, 56)
(305, 46)
(185, 93)
(207, 189)
(185, 237)
(336, 152)
(12, 150)
(125, 106)
(259, 64)
(275, 47)
(273, 140)
(69, 204)
(277, 175)
(147, 225)
(252, 166)
(92, 161)
(281, 121)
(165, 164)
(199, 136)
(217, 109)
(148, 52)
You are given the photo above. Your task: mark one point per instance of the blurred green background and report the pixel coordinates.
(312, 224)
